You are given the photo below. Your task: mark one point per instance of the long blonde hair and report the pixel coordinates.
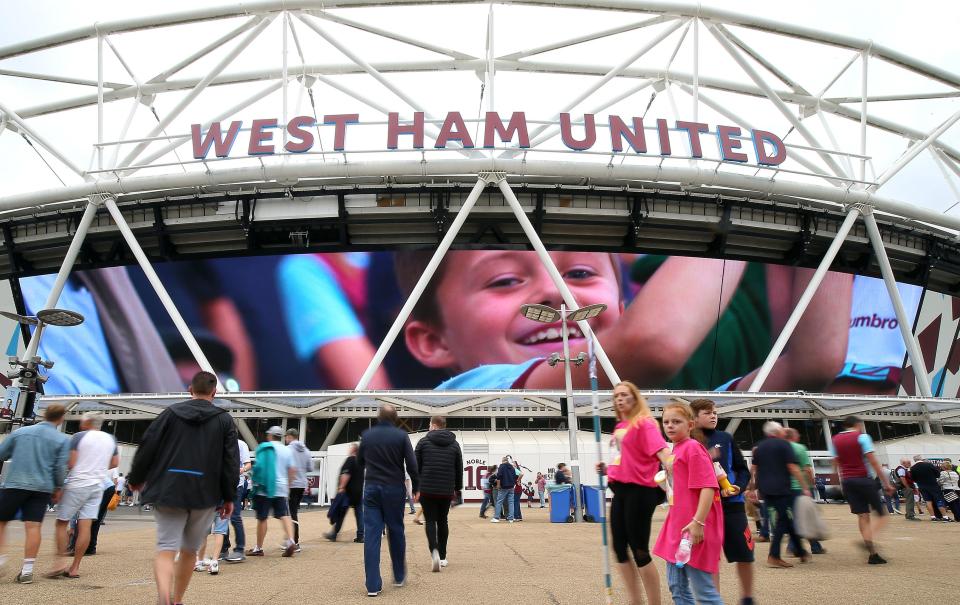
(640, 411)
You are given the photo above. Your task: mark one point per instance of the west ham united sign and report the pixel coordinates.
(768, 148)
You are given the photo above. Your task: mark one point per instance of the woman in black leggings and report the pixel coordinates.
(639, 450)
(441, 475)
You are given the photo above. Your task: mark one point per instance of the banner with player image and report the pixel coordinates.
(314, 321)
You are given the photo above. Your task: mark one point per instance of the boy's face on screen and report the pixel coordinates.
(480, 298)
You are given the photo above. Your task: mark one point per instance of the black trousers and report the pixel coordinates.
(435, 513)
(630, 515)
(296, 495)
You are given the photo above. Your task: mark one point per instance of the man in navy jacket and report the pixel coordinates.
(384, 450)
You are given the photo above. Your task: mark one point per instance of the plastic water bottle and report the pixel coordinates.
(683, 551)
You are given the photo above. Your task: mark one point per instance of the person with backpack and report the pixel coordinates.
(273, 471)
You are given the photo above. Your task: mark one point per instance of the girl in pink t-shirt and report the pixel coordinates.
(696, 510)
(638, 449)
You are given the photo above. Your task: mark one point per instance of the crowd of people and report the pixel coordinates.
(191, 467)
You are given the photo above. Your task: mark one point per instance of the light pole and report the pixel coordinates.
(26, 372)
(549, 315)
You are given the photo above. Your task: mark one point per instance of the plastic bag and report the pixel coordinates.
(114, 502)
(807, 521)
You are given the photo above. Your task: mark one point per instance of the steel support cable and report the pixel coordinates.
(42, 159)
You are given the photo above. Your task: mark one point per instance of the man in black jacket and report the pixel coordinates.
(187, 466)
(384, 451)
(440, 462)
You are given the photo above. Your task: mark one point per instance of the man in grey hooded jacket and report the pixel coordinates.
(303, 464)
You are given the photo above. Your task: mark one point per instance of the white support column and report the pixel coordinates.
(302, 429)
(245, 433)
(906, 323)
(804, 301)
(732, 426)
(11, 116)
(863, 114)
(551, 268)
(154, 280)
(493, 423)
(335, 431)
(827, 434)
(428, 272)
(99, 102)
(490, 60)
(786, 423)
(68, 261)
(284, 422)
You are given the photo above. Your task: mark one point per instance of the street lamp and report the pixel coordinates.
(549, 315)
(19, 396)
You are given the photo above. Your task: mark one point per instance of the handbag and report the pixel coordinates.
(114, 502)
(949, 496)
(807, 521)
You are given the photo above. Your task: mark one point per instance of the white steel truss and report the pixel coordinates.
(145, 159)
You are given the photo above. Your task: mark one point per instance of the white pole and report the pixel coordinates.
(906, 323)
(68, 261)
(154, 280)
(571, 418)
(804, 301)
(428, 272)
(561, 285)
(863, 114)
(602, 488)
(914, 151)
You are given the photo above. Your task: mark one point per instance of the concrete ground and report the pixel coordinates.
(531, 562)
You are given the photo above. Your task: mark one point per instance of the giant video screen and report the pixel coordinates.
(314, 321)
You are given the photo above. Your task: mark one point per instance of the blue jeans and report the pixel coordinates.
(543, 499)
(236, 520)
(780, 508)
(516, 506)
(487, 501)
(383, 505)
(682, 579)
(505, 500)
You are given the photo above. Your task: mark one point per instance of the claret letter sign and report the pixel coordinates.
(768, 148)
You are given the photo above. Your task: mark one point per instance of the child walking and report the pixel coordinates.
(696, 511)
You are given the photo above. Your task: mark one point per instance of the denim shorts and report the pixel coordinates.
(220, 526)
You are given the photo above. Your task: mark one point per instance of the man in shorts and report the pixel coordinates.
(854, 460)
(188, 464)
(92, 454)
(272, 473)
(737, 537)
(35, 474)
(219, 529)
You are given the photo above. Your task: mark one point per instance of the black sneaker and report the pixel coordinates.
(876, 559)
(358, 540)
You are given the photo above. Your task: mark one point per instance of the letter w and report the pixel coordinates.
(214, 136)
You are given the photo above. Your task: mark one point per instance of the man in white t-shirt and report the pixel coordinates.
(92, 454)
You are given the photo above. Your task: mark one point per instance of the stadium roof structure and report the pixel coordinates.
(102, 130)
(486, 404)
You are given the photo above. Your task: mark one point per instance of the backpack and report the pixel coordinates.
(895, 479)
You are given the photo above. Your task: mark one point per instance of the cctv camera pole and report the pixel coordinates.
(571, 417)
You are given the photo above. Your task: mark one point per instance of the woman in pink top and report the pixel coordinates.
(639, 448)
(696, 511)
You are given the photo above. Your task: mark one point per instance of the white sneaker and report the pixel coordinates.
(213, 567)
(200, 566)
(443, 562)
(494, 520)
(435, 557)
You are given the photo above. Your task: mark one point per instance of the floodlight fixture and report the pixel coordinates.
(541, 313)
(59, 317)
(28, 320)
(588, 312)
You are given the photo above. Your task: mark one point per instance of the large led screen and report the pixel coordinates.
(314, 321)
